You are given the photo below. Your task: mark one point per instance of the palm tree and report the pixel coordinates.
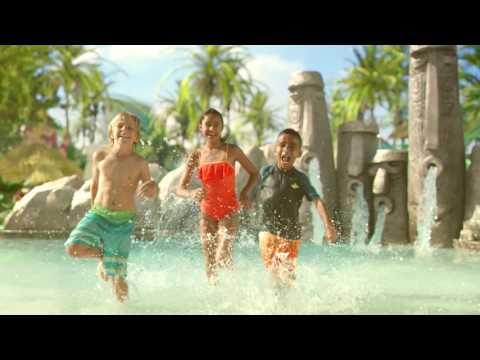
(219, 73)
(396, 74)
(25, 85)
(470, 90)
(365, 83)
(77, 78)
(378, 78)
(259, 115)
(95, 102)
(26, 90)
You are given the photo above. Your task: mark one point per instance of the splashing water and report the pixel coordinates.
(167, 276)
(377, 236)
(318, 226)
(427, 211)
(360, 216)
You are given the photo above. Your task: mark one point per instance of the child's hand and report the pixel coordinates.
(148, 189)
(197, 194)
(245, 201)
(331, 234)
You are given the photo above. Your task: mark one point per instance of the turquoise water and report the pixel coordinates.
(167, 277)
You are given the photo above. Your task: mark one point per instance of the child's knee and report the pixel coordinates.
(72, 250)
(69, 250)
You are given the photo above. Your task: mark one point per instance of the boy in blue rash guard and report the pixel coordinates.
(283, 188)
(105, 231)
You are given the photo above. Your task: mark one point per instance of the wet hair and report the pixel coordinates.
(293, 133)
(212, 111)
(120, 116)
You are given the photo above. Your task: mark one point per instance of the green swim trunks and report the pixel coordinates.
(109, 231)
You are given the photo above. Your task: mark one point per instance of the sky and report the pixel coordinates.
(144, 66)
(141, 71)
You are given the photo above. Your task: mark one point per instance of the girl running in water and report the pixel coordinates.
(219, 206)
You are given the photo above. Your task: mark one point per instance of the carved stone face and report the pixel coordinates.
(357, 144)
(434, 82)
(389, 168)
(434, 97)
(385, 174)
(356, 147)
(436, 134)
(304, 108)
(389, 171)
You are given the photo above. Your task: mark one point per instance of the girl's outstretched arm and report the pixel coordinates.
(182, 189)
(254, 177)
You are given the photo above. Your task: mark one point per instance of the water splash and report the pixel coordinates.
(168, 277)
(178, 219)
(377, 236)
(427, 211)
(360, 217)
(318, 227)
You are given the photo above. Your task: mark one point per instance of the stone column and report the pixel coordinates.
(357, 145)
(307, 111)
(436, 139)
(389, 171)
(472, 189)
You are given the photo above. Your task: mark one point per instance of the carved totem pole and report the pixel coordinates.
(308, 115)
(436, 139)
(357, 145)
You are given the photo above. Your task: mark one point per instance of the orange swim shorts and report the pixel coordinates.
(277, 251)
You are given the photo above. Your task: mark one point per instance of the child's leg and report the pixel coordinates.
(86, 252)
(83, 251)
(226, 237)
(209, 234)
(101, 272)
(85, 240)
(120, 288)
(286, 261)
(268, 244)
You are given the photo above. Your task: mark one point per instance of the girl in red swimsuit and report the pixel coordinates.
(218, 200)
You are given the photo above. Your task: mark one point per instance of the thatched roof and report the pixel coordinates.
(36, 164)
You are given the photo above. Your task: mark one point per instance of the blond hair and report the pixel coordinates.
(121, 116)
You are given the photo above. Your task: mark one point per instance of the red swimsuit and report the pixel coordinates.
(218, 180)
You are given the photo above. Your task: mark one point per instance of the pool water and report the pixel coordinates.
(168, 277)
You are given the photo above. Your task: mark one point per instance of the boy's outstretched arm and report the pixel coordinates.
(253, 179)
(330, 232)
(96, 158)
(149, 186)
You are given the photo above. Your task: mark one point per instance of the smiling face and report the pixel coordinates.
(123, 130)
(287, 150)
(211, 126)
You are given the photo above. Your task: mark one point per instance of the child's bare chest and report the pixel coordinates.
(120, 172)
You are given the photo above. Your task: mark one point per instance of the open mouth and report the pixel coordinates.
(285, 159)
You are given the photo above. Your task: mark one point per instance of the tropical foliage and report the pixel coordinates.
(218, 77)
(470, 91)
(37, 78)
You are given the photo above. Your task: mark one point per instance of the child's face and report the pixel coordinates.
(287, 150)
(125, 131)
(211, 126)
